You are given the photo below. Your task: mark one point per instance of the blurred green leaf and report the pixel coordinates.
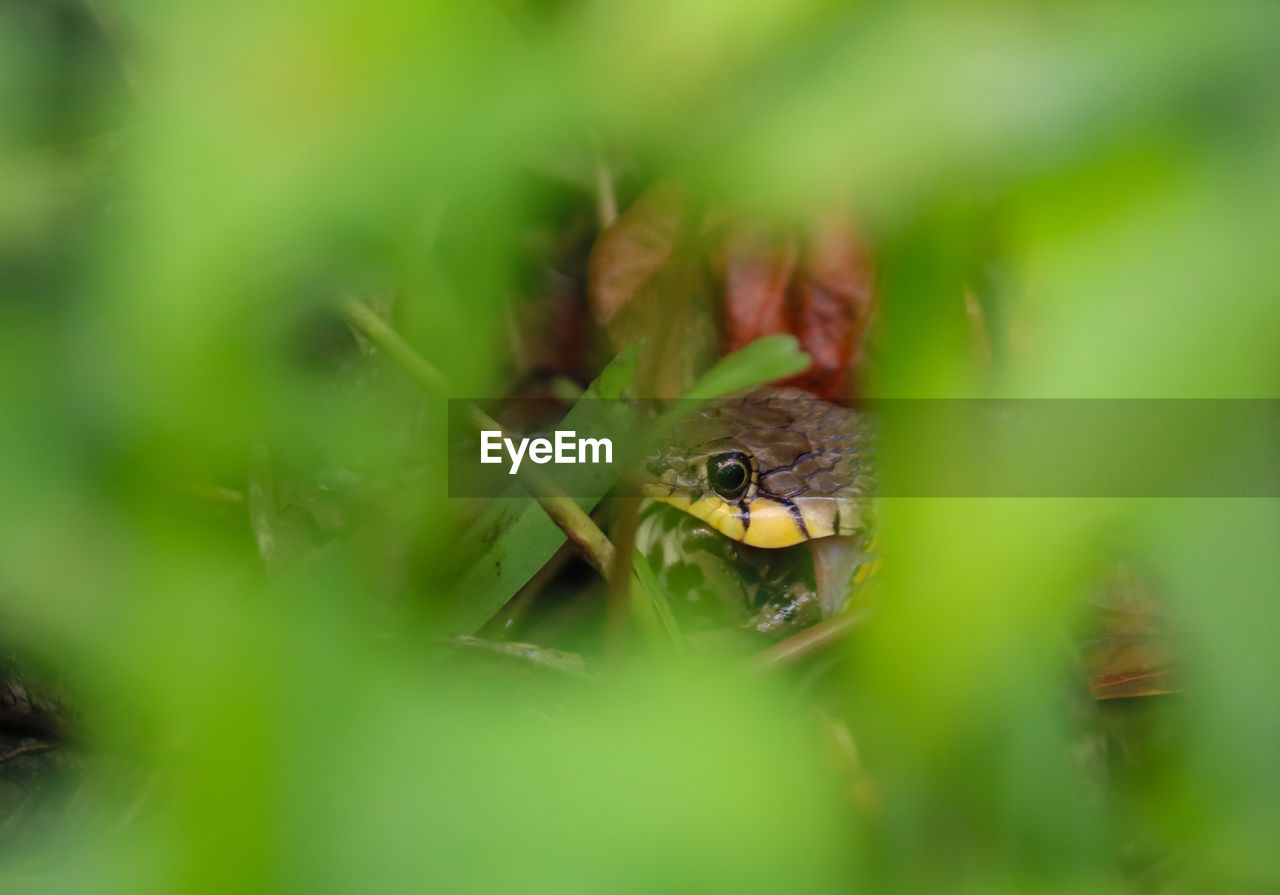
(187, 191)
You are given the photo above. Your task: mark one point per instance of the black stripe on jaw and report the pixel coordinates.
(799, 517)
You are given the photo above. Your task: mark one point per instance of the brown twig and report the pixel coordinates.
(25, 749)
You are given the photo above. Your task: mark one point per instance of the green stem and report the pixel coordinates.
(391, 343)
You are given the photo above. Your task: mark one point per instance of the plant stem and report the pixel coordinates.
(380, 333)
(564, 511)
(809, 642)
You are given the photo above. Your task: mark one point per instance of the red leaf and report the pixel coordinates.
(815, 282)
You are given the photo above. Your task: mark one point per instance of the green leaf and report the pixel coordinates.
(761, 361)
(615, 381)
(515, 535)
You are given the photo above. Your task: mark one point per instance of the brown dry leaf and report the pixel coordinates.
(632, 251)
(1130, 650)
(645, 282)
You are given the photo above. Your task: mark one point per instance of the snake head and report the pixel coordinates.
(770, 468)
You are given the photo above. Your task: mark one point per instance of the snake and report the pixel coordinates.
(769, 468)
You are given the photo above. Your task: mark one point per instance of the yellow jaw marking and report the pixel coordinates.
(771, 524)
(713, 511)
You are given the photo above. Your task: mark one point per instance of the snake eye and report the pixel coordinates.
(728, 474)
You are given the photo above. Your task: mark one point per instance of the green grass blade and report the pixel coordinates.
(646, 586)
(758, 362)
(515, 535)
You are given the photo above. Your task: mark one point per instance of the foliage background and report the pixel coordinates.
(188, 191)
